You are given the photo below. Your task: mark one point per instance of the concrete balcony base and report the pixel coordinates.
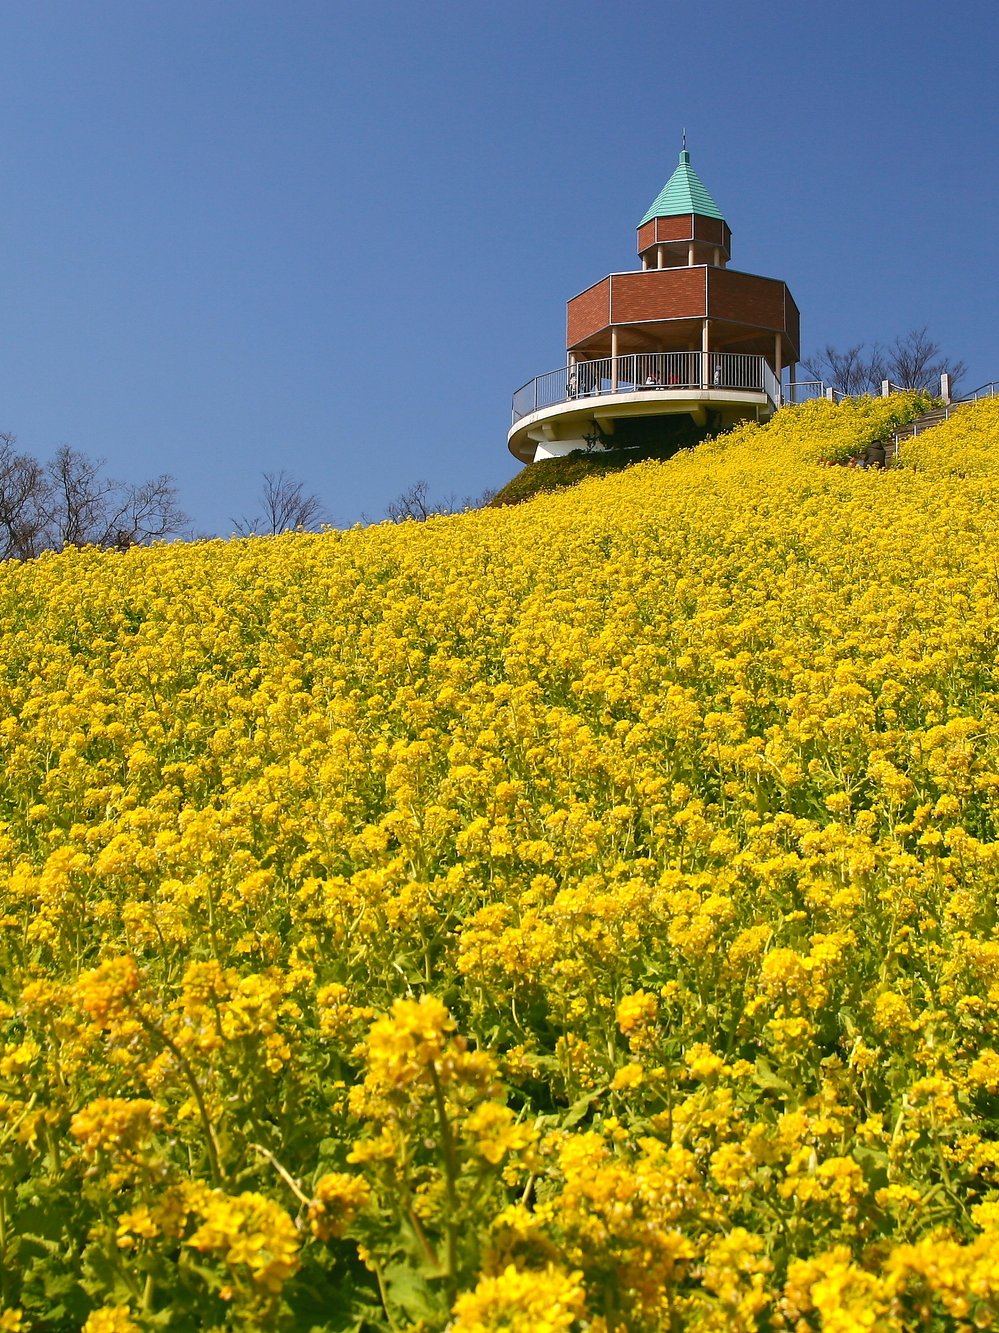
(580, 423)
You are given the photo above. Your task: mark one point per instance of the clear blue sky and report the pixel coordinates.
(334, 238)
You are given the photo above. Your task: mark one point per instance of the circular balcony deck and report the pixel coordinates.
(577, 406)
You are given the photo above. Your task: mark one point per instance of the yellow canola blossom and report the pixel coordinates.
(543, 1301)
(111, 1319)
(575, 916)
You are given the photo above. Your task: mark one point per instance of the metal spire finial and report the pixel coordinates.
(684, 144)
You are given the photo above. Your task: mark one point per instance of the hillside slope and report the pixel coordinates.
(868, 422)
(575, 916)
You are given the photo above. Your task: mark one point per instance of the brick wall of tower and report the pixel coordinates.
(588, 312)
(712, 230)
(686, 227)
(792, 322)
(672, 293)
(684, 293)
(745, 298)
(673, 229)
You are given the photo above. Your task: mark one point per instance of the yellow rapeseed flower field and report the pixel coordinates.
(574, 917)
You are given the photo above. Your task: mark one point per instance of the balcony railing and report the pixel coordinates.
(802, 391)
(647, 372)
(650, 371)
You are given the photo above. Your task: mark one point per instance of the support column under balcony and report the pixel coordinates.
(705, 334)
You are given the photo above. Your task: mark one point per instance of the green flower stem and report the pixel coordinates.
(185, 1066)
(450, 1179)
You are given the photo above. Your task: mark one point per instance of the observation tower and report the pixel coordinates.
(683, 342)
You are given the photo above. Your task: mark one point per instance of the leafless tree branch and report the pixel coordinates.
(416, 504)
(915, 362)
(851, 371)
(287, 507)
(912, 361)
(69, 501)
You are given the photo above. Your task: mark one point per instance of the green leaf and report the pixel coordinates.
(407, 1290)
(874, 1164)
(849, 1022)
(766, 1078)
(578, 1110)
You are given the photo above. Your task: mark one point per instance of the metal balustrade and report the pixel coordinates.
(647, 372)
(802, 391)
(983, 391)
(945, 413)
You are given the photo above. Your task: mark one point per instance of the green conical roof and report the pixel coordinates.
(684, 192)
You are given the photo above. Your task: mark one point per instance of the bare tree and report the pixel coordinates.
(852, 371)
(22, 508)
(83, 507)
(70, 502)
(415, 503)
(912, 361)
(145, 513)
(287, 507)
(78, 496)
(915, 362)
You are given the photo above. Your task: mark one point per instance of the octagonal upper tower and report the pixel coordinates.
(685, 244)
(683, 223)
(684, 334)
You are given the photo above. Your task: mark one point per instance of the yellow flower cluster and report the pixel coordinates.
(111, 1319)
(544, 1301)
(579, 916)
